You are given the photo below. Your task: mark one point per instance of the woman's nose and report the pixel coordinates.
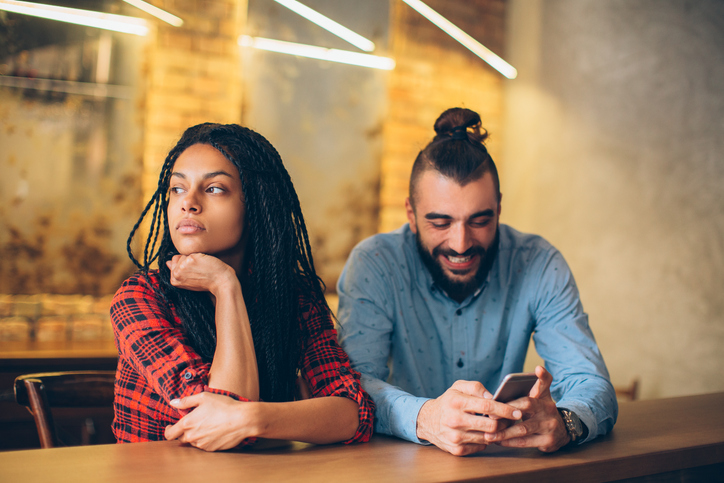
(191, 203)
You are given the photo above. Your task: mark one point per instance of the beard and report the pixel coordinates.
(458, 290)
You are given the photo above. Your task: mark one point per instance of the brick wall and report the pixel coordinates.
(193, 75)
(434, 72)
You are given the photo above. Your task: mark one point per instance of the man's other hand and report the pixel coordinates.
(455, 423)
(542, 426)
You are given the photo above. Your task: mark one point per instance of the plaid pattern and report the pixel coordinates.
(157, 364)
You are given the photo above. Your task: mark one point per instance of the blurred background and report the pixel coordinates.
(609, 143)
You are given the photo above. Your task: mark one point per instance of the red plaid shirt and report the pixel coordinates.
(157, 364)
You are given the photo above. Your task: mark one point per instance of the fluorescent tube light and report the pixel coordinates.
(328, 24)
(107, 21)
(458, 34)
(156, 12)
(321, 53)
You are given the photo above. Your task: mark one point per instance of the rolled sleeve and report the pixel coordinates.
(326, 369)
(151, 341)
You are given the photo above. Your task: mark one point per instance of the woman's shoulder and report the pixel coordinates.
(140, 283)
(151, 279)
(313, 308)
(141, 294)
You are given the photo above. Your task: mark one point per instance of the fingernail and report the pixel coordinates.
(487, 395)
(517, 414)
(175, 401)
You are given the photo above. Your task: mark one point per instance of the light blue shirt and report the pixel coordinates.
(411, 341)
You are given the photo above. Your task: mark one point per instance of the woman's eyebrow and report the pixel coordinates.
(217, 173)
(179, 174)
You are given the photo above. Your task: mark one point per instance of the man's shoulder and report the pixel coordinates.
(530, 258)
(392, 245)
(516, 241)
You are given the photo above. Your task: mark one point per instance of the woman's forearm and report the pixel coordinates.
(234, 366)
(321, 420)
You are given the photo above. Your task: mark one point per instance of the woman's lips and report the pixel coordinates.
(189, 227)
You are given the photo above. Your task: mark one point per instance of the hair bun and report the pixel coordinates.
(458, 120)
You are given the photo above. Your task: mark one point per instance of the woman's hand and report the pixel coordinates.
(215, 422)
(200, 272)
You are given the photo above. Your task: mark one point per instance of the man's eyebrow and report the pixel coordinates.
(437, 216)
(488, 213)
(206, 176)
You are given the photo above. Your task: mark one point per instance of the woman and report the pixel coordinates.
(210, 343)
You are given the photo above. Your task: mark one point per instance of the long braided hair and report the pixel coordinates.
(278, 256)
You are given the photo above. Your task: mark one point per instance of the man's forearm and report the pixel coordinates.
(396, 410)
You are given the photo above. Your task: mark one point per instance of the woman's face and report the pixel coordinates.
(206, 206)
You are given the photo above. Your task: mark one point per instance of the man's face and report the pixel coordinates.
(455, 227)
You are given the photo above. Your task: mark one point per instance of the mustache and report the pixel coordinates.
(474, 250)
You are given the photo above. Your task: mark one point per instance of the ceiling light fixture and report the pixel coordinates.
(156, 12)
(458, 34)
(107, 21)
(321, 53)
(328, 24)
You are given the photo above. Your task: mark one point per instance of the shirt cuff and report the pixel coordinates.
(402, 418)
(224, 392)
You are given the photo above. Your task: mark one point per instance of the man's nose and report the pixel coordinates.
(459, 239)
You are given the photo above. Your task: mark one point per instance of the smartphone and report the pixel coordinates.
(515, 386)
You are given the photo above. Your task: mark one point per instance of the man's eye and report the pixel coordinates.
(481, 223)
(440, 225)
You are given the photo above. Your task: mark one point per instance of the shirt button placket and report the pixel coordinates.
(459, 332)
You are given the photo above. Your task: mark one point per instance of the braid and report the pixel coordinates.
(278, 255)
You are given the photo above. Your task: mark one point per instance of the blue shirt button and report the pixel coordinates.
(459, 312)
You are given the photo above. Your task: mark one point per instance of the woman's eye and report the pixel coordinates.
(215, 190)
(176, 190)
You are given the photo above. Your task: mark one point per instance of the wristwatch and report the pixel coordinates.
(574, 427)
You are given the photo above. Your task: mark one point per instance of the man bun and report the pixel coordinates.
(457, 151)
(459, 123)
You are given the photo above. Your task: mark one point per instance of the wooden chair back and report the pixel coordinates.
(628, 393)
(73, 389)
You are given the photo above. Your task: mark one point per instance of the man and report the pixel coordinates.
(436, 313)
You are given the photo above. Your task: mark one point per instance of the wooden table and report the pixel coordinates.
(651, 437)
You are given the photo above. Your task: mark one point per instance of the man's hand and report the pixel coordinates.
(454, 422)
(542, 426)
(215, 422)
